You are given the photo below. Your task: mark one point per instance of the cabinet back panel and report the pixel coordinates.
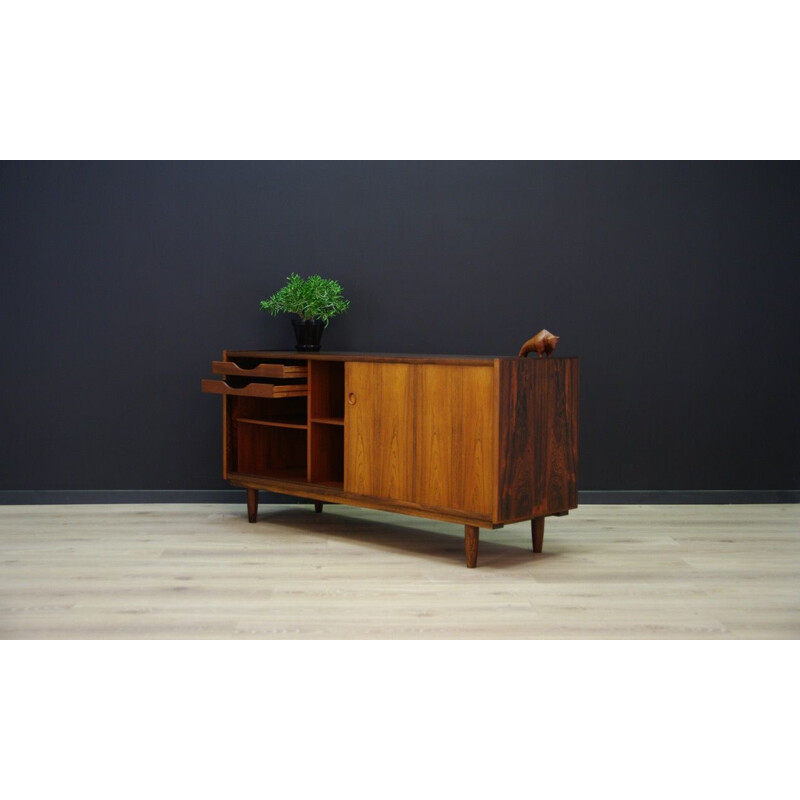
(269, 451)
(290, 409)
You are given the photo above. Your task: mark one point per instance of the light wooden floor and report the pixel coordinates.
(202, 571)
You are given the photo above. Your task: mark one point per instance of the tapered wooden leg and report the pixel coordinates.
(252, 505)
(471, 544)
(537, 533)
(317, 507)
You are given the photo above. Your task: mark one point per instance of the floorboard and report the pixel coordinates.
(203, 572)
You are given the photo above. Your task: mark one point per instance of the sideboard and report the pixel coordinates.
(478, 441)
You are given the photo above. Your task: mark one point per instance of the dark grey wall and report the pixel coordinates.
(676, 283)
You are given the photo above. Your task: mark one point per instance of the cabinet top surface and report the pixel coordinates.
(386, 357)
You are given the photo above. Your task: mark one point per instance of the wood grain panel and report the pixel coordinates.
(379, 435)
(538, 437)
(454, 437)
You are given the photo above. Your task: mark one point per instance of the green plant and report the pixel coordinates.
(312, 298)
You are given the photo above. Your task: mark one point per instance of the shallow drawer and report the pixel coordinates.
(257, 389)
(260, 371)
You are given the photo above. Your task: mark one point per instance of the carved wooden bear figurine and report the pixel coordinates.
(543, 343)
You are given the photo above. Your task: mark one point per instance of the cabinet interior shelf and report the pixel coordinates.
(293, 474)
(274, 423)
(329, 420)
(288, 474)
(333, 484)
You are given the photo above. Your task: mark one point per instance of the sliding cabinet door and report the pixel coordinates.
(454, 437)
(379, 432)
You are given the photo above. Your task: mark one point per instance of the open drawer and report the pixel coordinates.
(260, 370)
(250, 374)
(256, 389)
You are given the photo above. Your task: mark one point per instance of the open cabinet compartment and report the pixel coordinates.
(284, 411)
(326, 454)
(326, 392)
(326, 422)
(274, 452)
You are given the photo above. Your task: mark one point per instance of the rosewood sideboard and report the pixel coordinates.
(477, 441)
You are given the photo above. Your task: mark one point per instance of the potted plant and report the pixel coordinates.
(315, 300)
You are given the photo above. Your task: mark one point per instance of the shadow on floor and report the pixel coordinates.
(441, 541)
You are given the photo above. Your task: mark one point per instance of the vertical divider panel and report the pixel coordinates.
(312, 390)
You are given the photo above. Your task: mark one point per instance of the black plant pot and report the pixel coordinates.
(308, 333)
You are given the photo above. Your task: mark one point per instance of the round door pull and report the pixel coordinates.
(351, 398)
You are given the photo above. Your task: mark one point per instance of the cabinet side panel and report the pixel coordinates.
(538, 438)
(379, 430)
(454, 437)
